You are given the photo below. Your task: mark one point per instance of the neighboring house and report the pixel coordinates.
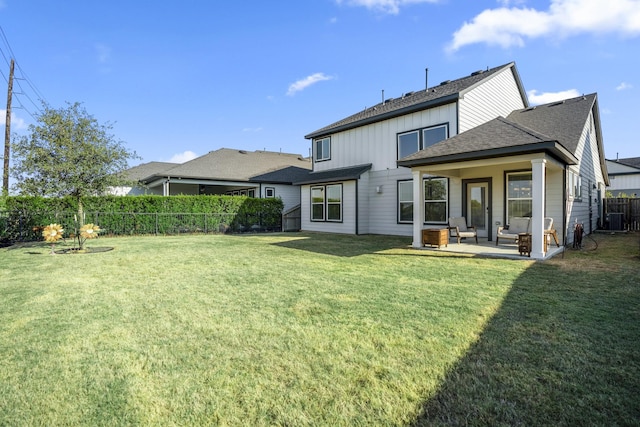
(227, 172)
(136, 174)
(470, 147)
(624, 177)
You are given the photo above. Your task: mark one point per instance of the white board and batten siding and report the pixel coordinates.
(348, 223)
(290, 194)
(377, 143)
(498, 96)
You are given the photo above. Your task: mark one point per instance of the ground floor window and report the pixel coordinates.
(519, 196)
(326, 203)
(436, 200)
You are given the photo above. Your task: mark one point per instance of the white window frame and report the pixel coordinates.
(574, 182)
(524, 194)
(408, 202)
(269, 192)
(323, 149)
(317, 203)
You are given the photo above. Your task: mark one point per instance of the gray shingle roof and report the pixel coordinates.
(287, 175)
(333, 175)
(144, 170)
(633, 162)
(563, 120)
(228, 164)
(446, 92)
(555, 127)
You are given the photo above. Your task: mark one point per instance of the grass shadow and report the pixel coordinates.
(343, 245)
(562, 350)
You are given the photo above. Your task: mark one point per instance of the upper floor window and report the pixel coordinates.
(414, 141)
(323, 149)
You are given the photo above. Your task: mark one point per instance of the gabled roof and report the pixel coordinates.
(333, 175)
(562, 120)
(496, 138)
(623, 167)
(144, 170)
(228, 164)
(287, 175)
(445, 93)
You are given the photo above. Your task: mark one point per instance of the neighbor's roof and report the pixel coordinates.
(446, 92)
(144, 170)
(333, 175)
(228, 164)
(633, 162)
(555, 127)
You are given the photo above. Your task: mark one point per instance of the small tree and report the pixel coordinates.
(68, 153)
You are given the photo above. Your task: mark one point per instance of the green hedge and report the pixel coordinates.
(141, 214)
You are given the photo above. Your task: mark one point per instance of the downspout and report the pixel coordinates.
(357, 211)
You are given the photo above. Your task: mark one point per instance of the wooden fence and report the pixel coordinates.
(622, 213)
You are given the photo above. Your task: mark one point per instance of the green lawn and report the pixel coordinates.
(314, 329)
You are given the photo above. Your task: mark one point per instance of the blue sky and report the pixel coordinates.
(180, 79)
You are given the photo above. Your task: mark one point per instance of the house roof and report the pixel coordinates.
(633, 162)
(287, 175)
(555, 128)
(496, 138)
(227, 164)
(444, 93)
(144, 170)
(332, 175)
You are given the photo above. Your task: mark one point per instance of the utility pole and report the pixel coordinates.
(7, 134)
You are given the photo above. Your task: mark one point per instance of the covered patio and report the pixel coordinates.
(489, 249)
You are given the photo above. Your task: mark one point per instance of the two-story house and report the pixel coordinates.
(470, 147)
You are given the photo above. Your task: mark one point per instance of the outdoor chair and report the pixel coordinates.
(550, 232)
(516, 226)
(458, 228)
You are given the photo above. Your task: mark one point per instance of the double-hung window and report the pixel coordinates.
(435, 200)
(323, 149)
(416, 140)
(575, 185)
(519, 196)
(326, 203)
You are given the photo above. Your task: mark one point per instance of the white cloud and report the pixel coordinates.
(302, 84)
(183, 157)
(623, 86)
(391, 7)
(506, 27)
(536, 98)
(17, 123)
(258, 129)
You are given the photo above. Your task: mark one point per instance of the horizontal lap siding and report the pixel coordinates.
(498, 96)
(289, 194)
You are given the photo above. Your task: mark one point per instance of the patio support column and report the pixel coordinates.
(418, 208)
(537, 212)
(165, 187)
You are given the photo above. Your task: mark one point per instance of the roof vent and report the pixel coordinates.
(407, 94)
(445, 82)
(242, 152)
(475, 73)
(556, 103)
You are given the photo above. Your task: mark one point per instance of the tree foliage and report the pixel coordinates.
(68, 153)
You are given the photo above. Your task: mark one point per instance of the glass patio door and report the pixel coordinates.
(478, 207)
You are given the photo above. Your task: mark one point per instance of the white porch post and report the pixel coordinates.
(418, 208)
(165, 188)
(537, 214)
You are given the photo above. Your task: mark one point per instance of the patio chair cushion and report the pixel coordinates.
(517, 225)
(458, 228)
